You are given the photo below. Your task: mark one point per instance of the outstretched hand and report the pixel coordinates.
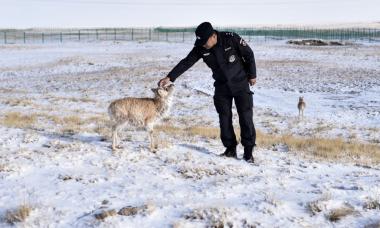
(163, 82)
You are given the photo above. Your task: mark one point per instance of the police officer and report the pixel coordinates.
(233, 66)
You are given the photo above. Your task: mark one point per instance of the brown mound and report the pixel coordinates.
(312, 42)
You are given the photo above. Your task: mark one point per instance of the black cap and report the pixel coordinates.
(202, 33)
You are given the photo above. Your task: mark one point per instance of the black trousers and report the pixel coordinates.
(244, 104)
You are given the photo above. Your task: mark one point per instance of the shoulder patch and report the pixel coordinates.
(242, 42)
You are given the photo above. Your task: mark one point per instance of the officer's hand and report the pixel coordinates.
(164, 81)
(252, 81)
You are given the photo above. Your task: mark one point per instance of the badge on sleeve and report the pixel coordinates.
(232, 58)
(242, 42)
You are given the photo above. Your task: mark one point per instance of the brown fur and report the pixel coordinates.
(140, 112)
(301, 106)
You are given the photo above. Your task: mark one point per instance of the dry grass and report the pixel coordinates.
(67, 124)
(331, 149)
(71, 124)
(334, 148)
(326, 148)
(321, 128)
(18, 102)
(372, 204)
(72, 120)
(213, 217)
(198, 173)
(5, 168)
(134, 210)
(16, 119)
(55, 119)
(170, 130)
(125, 211)
(314, 207)
(82, 100)
(12, 92)
(18, 215)
(337, 214)
(103, 126)
(74, 99)
(333, 215)
(374, 129)
(74, 124)
(104, 214)
(206, 132)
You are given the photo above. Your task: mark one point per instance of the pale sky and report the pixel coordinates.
(145, 13)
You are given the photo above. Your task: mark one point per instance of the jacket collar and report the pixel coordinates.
(219, 39)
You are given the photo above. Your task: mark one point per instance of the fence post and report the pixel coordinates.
(114, 34)
(183, 36)
(79, 35)
(150, 34)
(363, 34)
(24, 38)
(97, 35)
(369, 35)
(317, 33)
(167, 36)
(332, 34)
(43, 38)
(356, 34)
(132, 34)
(344, 33)
(265, 35)
(60, 37)
(5, 37)
(329, 34)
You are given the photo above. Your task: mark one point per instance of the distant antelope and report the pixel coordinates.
(140, 112)
(301, 106)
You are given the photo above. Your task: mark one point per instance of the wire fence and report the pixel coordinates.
(182, 34)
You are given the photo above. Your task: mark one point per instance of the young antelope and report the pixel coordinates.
(301, 106)
(140, 112)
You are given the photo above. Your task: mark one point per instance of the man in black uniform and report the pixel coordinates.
(233, 65)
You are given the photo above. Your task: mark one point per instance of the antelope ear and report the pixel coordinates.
(154, 90)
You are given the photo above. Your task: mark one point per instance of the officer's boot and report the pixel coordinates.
(230, 152)
(248, 154)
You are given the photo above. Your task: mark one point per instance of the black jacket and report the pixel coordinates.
(231, 60)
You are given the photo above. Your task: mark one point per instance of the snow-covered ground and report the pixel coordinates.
(62, 166)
